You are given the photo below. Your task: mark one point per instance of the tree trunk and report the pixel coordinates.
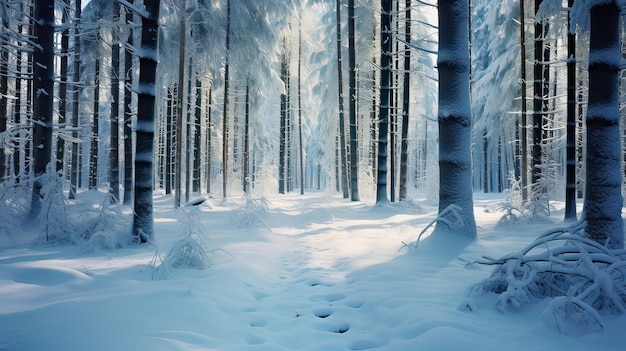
(178, 165)
(128, 111)
(114, 158)
(603, 199)
(65, 43)
(76, 88)
(540, 105)
(282, 153)
(143, 220)
(455, 122)
(404, 148)
(383, 118)
(43, 76)
(4, 88)
(93, 163)
(196, 137)
(169, 142)
(570, 170)
(209, 128)
(246, 143)
(354, 154)
(342, 122)
(523, 127)
(225, 111)
(300, 141)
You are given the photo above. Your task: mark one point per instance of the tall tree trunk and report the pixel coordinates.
(282, 152)
(76, 88)
(43, 75)
(225, 111)
(383, 118)
(114, 165)
(65, 43)
(178, 165)
(455, 121)
(342, 122)
(524, 124)
(406, 96)
(188, 140)
(169, 136)
(354, 154)
(143, 220)
(4, 87)
(196, 137)
(300, 141)
(570, 170)
(93, 163)
(209, 128)
(603, 198)
(540, 106)
(128, 111)
(246, 143)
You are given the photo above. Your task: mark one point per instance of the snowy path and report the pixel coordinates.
(324, 274)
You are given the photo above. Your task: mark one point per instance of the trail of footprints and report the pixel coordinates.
(331, 303)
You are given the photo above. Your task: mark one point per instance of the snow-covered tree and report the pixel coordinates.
(43, 74)
(603, 198)
(143, 220)
(455, 122)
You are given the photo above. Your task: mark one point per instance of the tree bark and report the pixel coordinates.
(383, 118)
(143, 220)
(43, 76)
(354, 154)
(406, 96)
(570, 169)
(128, 111)
(342, 122)
(603, 198)
(114, 158)
(455, 122)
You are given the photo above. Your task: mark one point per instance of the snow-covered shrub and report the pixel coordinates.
(252, 214)
(190, 251)
(585, 279)
(14, 204)
(56, 224)
(104, 227)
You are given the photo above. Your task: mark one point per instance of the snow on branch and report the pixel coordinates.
(585, 280)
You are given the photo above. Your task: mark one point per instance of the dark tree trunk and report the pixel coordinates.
(523, 127)
(603, 198)
(282, 152)
(114, 161)
(143, 220)
(169, 142)
(225, 111)
(180, 114)
(4, 88)
(455, 122)
(300, 136)
(93, 163)
(196, 137)
(128, 111)
(246, 143)
(570, 188)
(383, 124)
(65, 43)
(209, 128)
(354, 154)
(540, 105)
(342, 122)
(406, 96)
(76, 88)
(42, 101)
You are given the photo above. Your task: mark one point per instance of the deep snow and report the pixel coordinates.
(318, 273)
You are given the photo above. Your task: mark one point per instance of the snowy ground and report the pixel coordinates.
(320, 273)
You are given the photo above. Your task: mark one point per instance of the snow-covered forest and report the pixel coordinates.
(143, 139)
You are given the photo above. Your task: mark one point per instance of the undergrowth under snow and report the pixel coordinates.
(312, 272)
